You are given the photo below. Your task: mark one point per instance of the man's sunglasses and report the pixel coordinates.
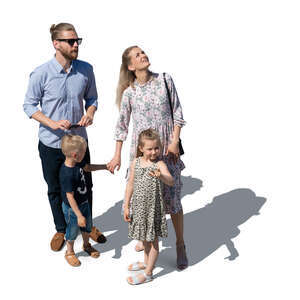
(71, 42)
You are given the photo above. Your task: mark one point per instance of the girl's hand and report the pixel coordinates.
(114, 163)
(81, 221)
(126, 215)
(155, 173)
(173, 152)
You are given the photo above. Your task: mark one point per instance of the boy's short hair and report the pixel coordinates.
(72, 143)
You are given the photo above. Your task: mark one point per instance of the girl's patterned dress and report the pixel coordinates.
(149, 106)
(148, 219)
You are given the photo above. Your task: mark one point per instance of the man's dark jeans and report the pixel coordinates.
(52, 159)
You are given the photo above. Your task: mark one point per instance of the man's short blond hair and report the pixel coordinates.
(72, 143)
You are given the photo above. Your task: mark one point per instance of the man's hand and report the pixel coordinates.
(81, 221)
(86, 120)
(61, 124)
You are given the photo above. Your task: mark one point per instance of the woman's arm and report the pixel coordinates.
(116, 160)
(179, 122)
(173, 148)
(121, 130)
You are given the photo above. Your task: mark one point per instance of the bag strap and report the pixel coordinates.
(169, 96)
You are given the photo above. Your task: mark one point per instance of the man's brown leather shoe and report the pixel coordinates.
(57, 241)
(97, 236)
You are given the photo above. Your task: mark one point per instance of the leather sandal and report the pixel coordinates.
(72, 259)
(91, 250)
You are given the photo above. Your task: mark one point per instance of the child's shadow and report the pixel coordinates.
(112, 220)
(210, 227)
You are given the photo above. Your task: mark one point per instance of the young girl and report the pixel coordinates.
(144, 206)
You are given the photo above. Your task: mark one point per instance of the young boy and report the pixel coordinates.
(74, 194)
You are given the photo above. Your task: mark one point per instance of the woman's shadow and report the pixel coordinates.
(210, 227)
(112, 220)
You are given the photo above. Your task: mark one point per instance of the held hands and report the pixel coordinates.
(81, 221)
(155, 173)
(114, 163)
(126, 215)
(173, 152)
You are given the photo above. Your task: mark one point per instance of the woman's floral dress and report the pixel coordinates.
(149, 107)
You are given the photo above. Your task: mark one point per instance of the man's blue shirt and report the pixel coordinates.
(60, 96)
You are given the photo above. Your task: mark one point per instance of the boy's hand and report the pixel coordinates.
(155, 173)
(126, 215)
(81, 221)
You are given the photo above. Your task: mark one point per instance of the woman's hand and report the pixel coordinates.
(173, 152)
(114, 163)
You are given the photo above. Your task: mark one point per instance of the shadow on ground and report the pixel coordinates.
(112, 220)
(206, 229)
(211, 227)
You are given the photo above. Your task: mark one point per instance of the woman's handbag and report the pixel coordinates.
(181, 151)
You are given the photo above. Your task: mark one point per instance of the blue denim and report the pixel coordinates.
(52, 159)
(71, 220)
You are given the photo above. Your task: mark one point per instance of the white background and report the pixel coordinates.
(236, 68)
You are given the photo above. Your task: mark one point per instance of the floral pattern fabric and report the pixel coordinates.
(148, 106)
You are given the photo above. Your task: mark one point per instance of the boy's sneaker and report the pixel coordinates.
(57, 241)
(97, 236)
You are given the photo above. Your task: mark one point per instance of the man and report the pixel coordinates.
(59, 86)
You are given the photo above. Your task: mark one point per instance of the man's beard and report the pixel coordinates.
(70, 56)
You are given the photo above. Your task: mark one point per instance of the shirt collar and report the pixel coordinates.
(59, 67)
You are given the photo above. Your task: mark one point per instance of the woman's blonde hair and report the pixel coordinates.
(55, 30)
(72, 143)
(126, 77)
(148, 134)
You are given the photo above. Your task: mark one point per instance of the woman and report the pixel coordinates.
(143, 95)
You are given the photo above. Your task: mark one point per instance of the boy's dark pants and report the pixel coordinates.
(52, 159)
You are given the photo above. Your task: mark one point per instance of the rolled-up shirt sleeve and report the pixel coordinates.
(177, 109)
(91, 95)
(124, 118)
(34, 94)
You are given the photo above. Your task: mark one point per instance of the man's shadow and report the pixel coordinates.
(210, 227)
(112, 220)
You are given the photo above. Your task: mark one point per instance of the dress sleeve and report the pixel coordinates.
(124, 117)
(177, 110)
